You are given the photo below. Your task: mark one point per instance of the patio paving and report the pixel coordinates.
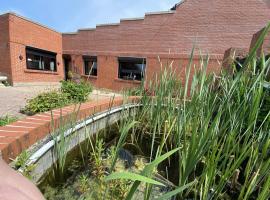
(12, 99)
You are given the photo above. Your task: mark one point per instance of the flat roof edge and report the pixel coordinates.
(132, 19)
(29, 20)
(86, 29)
(109, 24)
(70, 33)
(160, 12)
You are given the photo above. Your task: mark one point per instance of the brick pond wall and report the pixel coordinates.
(20, 135)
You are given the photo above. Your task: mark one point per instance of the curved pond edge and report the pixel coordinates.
(22, 134)
(43, 159)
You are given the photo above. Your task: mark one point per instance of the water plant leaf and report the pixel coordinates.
(176, 191)
(124, 132)
(148, 169)
(133, 177)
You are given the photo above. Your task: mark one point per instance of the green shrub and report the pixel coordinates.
(76, 92)
(45, 101)
(70, 92)
(7, 120)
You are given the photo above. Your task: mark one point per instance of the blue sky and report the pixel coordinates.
(69, 15)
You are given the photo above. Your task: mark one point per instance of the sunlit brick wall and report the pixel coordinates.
(5, 67)
(212, 25)
(26, 33)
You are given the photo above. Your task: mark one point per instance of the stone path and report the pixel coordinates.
(12, 99)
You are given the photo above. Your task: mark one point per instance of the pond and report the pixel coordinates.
(84, 176)
(208, 139)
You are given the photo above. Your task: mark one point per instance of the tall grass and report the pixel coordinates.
(220, 126)
(60, 140)
(211, 133)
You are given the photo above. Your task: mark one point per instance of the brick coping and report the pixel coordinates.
(22, 134)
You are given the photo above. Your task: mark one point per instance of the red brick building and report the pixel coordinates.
(30, 52)
(265, 47)
(118, 55)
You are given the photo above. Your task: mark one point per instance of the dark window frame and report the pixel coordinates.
(87, 68)
(131, 68)
(43, 57)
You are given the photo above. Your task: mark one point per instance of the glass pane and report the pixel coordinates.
(38, 60)
(132, 69)
(90, 66)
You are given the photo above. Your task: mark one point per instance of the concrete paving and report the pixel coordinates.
(12, 99)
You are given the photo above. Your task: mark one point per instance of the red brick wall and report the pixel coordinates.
(107, 74)
(230, 57)
(4, 47)
(25, 33)
(215, 25)
(265, 47)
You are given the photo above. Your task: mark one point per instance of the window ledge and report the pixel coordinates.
(89, 76)
(40, 72)
(128, 81)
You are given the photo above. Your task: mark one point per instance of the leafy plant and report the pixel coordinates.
(21, 162)
(45, 101)
(97, 158)
(83, 183)
(7, 120)
(22, 159)
(77, 92)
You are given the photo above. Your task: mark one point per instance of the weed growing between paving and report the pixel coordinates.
(5, 120)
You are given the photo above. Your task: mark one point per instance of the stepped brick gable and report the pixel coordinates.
(213, 25)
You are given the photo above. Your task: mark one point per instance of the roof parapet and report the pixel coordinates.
(86, 29)
(132, 19)
(160, 13)
(70, 33)
(109, 24)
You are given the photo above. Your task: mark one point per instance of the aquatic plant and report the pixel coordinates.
(21, 163)
(217, 122)
(210, 136)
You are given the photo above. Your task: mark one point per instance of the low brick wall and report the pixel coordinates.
(20, 135)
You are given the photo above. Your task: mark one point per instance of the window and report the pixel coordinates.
(38, 59)
(90, 65)
(131, 68)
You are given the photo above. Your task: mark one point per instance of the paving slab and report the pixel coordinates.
(13, 99)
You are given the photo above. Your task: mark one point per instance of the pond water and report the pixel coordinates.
(88, 165)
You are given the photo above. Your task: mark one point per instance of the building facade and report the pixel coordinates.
(119, 56)
(30, 53)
